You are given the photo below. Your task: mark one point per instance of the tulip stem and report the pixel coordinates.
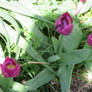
(35, 62)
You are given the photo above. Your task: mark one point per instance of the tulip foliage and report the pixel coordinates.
(41, 41)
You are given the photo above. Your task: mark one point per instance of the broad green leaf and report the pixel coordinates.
(87, 5)
(5, 83)
(17, 87)
(72, 57)
(53, 58)
(55, 43)
(75, 57)
(73, 40)
(1, 90)
(42, 78)
(69, 76)
(65, 75)
(35, 55)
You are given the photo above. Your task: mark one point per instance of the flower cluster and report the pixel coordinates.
(64, 25)
(10, 68)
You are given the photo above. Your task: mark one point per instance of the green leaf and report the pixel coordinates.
(63, 77)
(75, 57)
(73, 40)
(1, 90)
(60, 49)
(10, 19)
(42, 78)
(11, 35)
(55, 43)
(4, 31)
(88, 62)
(53, 58)
(86, 6)
(29, 25)
(1, 52)
(88, 65)
(36, 56)
(69, 76)
(65, 74)
(17, 87)
(5, 83)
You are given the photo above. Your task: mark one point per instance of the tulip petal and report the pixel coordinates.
(10, 72)
(4, 72)
(67, 30)
(16, 72)
(83, 0)
(90, 39)
(64, 24)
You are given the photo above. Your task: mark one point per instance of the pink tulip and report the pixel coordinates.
(10, 68)
(90, 39)
(83, 0)
(64, 24)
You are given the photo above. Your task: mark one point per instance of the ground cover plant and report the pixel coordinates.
(43, 43)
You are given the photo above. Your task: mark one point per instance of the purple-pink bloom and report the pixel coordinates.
(83, 0)
(64, 24)
(90, 39)
(10, 68)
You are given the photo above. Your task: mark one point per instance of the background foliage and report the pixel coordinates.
(27, 34)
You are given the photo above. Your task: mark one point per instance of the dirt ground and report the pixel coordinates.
(78, 85)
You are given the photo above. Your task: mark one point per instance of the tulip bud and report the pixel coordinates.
(64, 24)
(10, 68)
(90, 39)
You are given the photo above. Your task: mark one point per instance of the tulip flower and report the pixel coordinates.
(83, 0)
(90, 39)
(64, 24)
(10, 68)
(79, 6)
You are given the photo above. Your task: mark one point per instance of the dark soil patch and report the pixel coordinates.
(78, 85)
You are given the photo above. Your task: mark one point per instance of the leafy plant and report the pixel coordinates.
(27, 30)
